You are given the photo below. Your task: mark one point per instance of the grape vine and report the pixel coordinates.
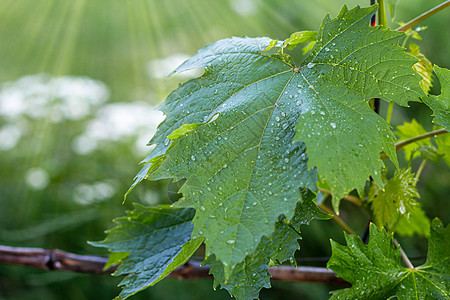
(262, 142)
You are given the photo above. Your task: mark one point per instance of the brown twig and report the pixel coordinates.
(55, 259)
(423, 16)
(402, 144)
(338, 220)
(403, 254)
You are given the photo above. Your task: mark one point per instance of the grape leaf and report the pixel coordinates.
(441, 104)
(395, 200)
(144, 233)
(344, 137)
(241, 166)
(417, 222)
(250, 275)
(376, 272)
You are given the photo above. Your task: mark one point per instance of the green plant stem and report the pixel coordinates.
(389, 112)
(403, 254)
(406, 40)
(419, 137)
(382, 14)
(349, 198)
(338, 220)
(419, 170)
(423, 16)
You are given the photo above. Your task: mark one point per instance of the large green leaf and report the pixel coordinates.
(242, 168)
(376, 272)
(250, 275)
(157, 239)
(349, 64)
(441, 104)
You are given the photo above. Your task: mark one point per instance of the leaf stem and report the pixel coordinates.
(349, 198)
(338, 220)
(403, 254)
(389, 112)
(419, 170)
(424, 16)
(382, 14)
(435, 133)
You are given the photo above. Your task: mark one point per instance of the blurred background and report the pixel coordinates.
(79, 84)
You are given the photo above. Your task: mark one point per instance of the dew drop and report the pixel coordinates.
(333, 125)
(202, 208)
(402, 208)
(193, 157)
(310, 65)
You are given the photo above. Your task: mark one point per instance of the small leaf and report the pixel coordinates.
(396, 200)
(298, 38)
(424, 67)
(375, 270)
(273, 43)
(440, 105)
(144, 233)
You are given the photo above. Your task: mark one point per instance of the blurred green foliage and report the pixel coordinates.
(69, 145)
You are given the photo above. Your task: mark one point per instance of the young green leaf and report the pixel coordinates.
(250, 275)
(424, 67)
(441, 104)
(298, 38)
(376, 272)
(396, 201)
(143, 234)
